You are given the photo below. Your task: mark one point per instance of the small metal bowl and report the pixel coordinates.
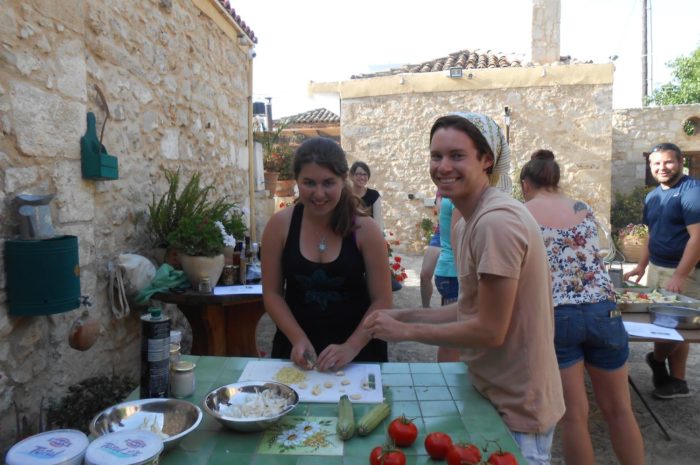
(172, 417)
(238, 393)
(675, 316)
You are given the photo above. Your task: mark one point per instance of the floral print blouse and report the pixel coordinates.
(578, 272)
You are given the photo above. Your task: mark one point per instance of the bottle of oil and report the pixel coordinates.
(155, 354)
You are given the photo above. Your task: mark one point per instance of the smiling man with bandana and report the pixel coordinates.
(503, 319)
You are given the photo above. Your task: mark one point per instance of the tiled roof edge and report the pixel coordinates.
(226, 4)
(466, 59)
(319, 115)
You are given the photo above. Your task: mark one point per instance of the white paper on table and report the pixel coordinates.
(652, 331)
(240, 289)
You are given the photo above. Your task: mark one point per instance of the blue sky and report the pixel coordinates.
(324, 40)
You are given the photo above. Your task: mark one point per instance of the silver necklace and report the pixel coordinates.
(322, 245)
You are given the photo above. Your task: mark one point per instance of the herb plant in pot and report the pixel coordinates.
(286, 181)
(200, 242)
(165, 213)
(272, 157)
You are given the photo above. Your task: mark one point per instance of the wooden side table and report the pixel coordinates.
(222, 325)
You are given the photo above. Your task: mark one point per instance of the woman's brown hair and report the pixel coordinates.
(327, 153)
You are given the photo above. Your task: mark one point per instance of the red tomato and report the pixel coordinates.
(384, 456)
(437, 445)
(502, 458)
(463, 454)
(376, 455)
(403, 431)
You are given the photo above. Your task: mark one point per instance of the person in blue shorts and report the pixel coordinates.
(430, 258)
(588, 332)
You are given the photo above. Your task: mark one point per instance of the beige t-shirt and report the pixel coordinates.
(521, 377)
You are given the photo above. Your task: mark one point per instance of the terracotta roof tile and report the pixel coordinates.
(237, 18)
(466, 59)
(319, 115)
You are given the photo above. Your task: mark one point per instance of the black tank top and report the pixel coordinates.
(368, 199)
(328, 300)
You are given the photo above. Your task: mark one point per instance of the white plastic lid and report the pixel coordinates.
(61, 446)
(127, 447)
(175, 336)
(184, 365)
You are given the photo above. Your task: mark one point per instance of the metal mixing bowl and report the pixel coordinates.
(238, 394)
(172, 417)
(675, 316)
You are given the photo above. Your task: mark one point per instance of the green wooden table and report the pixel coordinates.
(438, 395)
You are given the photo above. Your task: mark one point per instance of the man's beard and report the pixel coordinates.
(673, 179)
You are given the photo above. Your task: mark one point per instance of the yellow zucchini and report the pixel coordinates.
(372, 418)
(346, 419)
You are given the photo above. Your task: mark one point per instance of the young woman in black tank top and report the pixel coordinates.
(324, 266)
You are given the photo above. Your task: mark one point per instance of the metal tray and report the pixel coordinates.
(675, 316)
(643, 307)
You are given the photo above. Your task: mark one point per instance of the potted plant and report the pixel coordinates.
(631, 241)
(164, 214)
(233, 229)
(200, 243)
(272, 159)
(286, 181)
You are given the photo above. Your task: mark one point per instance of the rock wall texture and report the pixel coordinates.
(391, 133)
(637, 130)
(177, 88)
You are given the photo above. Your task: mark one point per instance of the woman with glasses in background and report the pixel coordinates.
(360, 174)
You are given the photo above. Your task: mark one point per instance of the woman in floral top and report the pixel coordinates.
(588, 330)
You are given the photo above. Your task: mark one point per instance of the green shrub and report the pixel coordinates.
(628, 208)
(197, 235)
(426, 227)
(86, 399)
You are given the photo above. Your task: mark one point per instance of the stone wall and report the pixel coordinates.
(637, 130)
(177, 88)
(391, 132)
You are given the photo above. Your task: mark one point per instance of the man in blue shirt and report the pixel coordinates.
(672, 212)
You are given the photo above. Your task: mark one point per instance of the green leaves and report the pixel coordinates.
(191, 203)
(685, 86)
(197, 235)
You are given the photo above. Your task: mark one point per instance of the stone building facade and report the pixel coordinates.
(177, 80)
(565, 108)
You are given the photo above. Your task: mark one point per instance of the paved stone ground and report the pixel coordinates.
(680, 417)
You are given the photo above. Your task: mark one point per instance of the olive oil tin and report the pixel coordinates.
(155, 354)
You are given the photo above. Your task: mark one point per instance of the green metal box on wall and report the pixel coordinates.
(43, 276)
(96, 163)
(102, 166)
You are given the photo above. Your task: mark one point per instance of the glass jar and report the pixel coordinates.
(182, 381)
(174, 353)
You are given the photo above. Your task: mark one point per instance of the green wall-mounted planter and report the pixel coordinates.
(43, 276)
(96, 163)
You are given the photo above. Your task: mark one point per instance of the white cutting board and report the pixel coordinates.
(356, 373)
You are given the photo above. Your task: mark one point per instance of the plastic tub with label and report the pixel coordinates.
(128, 447)
(56, 447)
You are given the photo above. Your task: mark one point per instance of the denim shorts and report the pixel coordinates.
(435, 240)
(536, 448)
(588, 332)
(448, 287)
